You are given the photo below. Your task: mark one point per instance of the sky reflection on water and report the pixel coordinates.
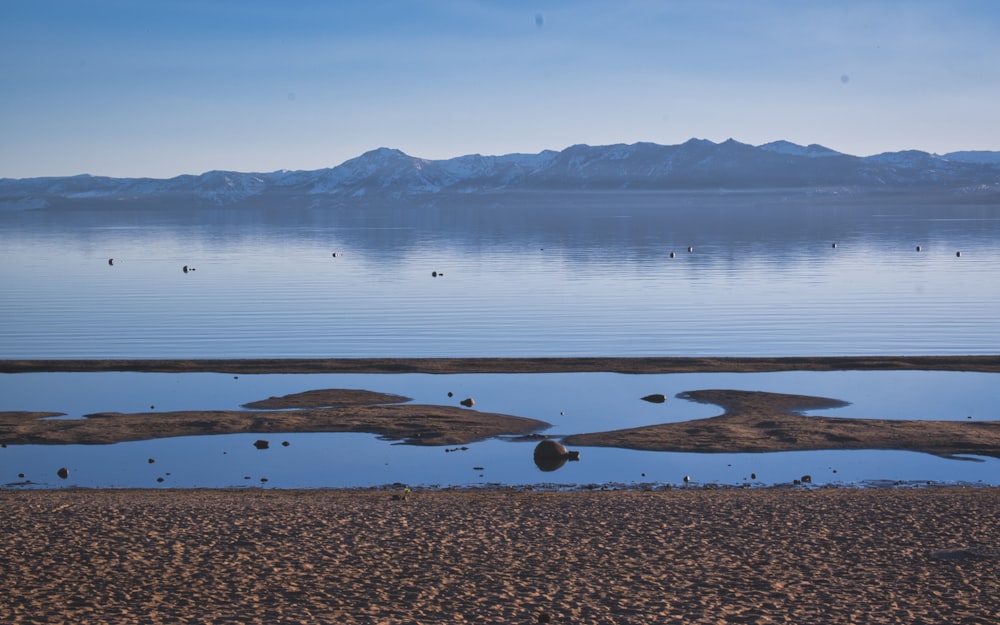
(591, 275)
(572, 402)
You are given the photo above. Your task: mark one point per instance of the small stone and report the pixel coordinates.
(63, 473)
(655, 398)
(261, 444)
(151, 460)
(807, 479)
(468, 402)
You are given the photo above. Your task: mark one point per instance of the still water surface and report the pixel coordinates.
(587, 275)
(571, 402)
(591, 277)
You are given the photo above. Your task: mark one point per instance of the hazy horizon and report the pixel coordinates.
(159, 89)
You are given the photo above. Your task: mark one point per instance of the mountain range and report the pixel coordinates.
(387, 175)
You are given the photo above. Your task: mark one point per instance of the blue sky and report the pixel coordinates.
(161, 88)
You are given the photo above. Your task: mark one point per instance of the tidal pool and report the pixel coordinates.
(571, 402)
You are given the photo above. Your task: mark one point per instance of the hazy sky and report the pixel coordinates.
(160, 88)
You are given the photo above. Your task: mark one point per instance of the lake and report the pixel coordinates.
(534, 275)
(576, 275)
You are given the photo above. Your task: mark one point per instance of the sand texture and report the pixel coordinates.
(756, 421)
(676, 556)
(414, 424)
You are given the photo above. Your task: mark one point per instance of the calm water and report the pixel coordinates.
(588, 275)
(533, 276)
(571, 402)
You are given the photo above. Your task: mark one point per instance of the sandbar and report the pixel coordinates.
(751, 421)
(984, 363)
(755, 421)
(323, 410)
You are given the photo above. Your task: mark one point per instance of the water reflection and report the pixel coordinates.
(573, 403)
(552, 455)
(531, 275)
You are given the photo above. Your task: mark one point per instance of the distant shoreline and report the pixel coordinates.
(634, 365)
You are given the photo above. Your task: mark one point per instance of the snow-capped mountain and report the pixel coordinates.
(387, 174)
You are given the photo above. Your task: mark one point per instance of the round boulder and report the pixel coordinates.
(550, 455)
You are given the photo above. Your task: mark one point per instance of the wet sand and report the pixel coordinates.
(674, 556)
(755, 421)
(751, 421)
(322, 410)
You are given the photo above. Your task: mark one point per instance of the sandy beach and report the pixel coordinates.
(671, 556)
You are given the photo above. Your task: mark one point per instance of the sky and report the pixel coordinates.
(159, 88)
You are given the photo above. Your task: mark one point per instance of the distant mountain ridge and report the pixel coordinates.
(386, 174)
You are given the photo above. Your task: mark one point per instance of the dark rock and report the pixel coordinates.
(63, 473)
(151, 460)
(655, 398)
(550, 455)
(468, 402)
(261, 444)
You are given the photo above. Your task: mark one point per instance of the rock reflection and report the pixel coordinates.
(551, 455)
